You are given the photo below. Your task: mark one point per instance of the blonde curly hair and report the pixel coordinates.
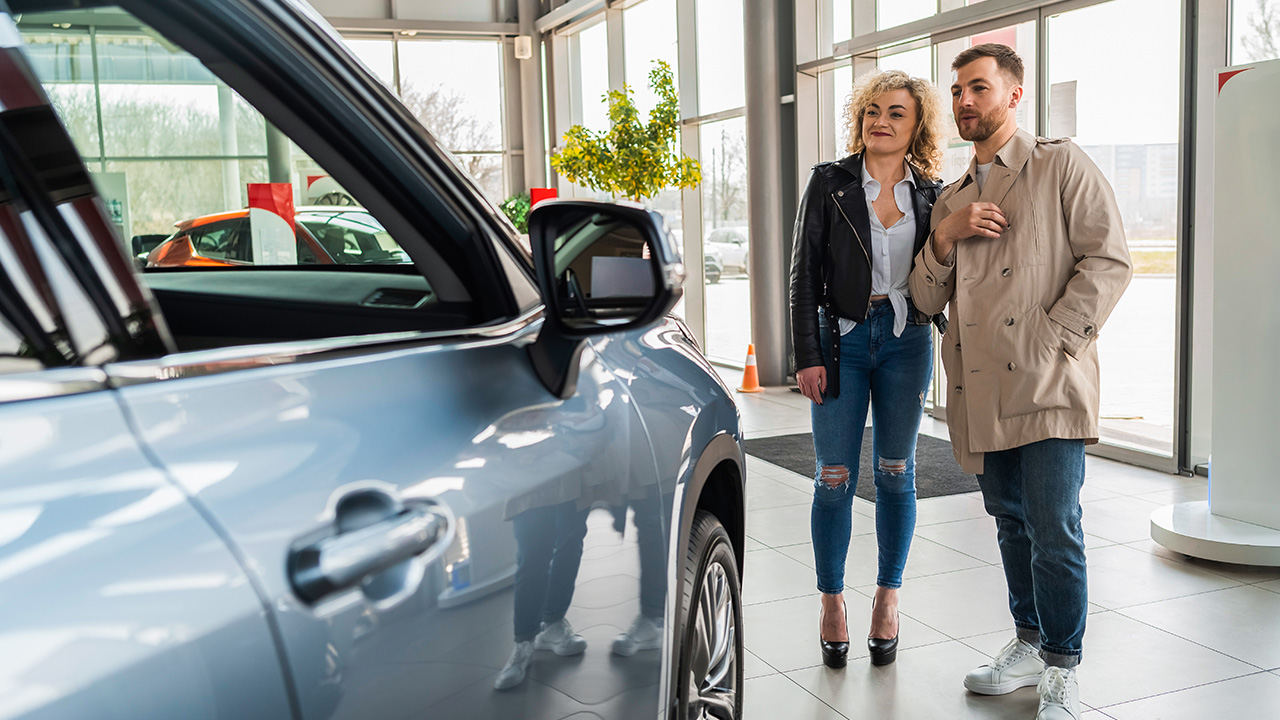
(925, 150)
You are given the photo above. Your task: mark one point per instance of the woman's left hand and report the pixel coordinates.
(812, 382)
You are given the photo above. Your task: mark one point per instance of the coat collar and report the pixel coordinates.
(1006, 167)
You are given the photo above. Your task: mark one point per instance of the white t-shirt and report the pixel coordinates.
(983, 170)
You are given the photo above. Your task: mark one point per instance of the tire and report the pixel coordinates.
(711, 652)
(713, 277)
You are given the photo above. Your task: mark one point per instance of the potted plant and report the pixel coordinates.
(632, 159)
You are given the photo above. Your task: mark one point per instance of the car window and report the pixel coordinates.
(168, 144)
(222, 241)
(171, 148)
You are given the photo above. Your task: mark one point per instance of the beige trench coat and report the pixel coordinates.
(1019, 352)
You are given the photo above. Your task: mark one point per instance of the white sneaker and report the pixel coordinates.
(512, 673)
(559, 637)
(1018, 665)
(645, 634)
(1059, 695)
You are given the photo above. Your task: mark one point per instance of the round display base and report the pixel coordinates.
(1189, 528)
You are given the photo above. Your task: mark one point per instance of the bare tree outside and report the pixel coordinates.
(726, 180)
(444, 113)
(1262, 39)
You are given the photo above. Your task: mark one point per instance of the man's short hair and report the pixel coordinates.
(1005, 57)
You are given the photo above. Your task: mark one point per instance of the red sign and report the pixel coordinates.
(274, 197)
(537, 195)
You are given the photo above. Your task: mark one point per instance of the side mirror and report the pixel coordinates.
(602, 268)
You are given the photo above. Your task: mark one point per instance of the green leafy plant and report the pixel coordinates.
(632, 159)
(516, 208)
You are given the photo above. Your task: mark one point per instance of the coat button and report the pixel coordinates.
(1006, 272)
(1008, 321)
(840, 193)
(1088, 330)
(928, 279)
(958, 390)
(1013, 366)
(957, 346)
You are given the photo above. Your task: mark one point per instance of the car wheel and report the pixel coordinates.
(711, 667)
(713, 277)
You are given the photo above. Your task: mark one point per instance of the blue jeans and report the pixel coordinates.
(1033, 492)
(892, 373)
(549, 543)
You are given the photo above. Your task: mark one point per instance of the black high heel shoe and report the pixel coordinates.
(883, 652)
(834, 654)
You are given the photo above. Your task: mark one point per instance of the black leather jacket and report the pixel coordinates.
(830, 264)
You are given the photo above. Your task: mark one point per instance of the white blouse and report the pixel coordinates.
(892, 249)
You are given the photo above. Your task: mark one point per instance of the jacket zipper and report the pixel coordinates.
(860, 245)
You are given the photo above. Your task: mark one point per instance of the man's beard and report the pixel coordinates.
(986, 127)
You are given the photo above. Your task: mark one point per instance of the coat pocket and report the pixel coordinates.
(1037, 375)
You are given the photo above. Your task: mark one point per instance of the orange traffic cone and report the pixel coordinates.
(750, 377)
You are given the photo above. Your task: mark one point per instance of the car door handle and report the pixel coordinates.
(342, 561)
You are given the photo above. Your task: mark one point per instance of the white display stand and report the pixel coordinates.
(1241, 521)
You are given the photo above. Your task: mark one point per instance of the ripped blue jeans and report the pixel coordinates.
(892, 375)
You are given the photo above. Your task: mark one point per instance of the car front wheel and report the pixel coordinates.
(711, 654)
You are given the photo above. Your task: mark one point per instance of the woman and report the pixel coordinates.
(858, 338)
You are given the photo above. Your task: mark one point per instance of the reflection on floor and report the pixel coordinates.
(468, 648)
(1169, 637)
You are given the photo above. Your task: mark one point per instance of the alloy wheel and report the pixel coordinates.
(713, 666)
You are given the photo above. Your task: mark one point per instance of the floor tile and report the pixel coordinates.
(779, 526)
(764, 493)
(1273, 586)
(924, 684)
(959, 604)
(861, 564)
(777, 696)
(1188, 493)
(949, 508)
(1120, 520)
(1127, 660)
(755, 667)
(1251, 574)
(784, 633)
(1130, 480)
(1239, 621)
(1256, 697)
(975, 538)
(1121, 576)
(770, 575)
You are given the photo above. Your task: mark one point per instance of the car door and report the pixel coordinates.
(117, 598)
(383, 487)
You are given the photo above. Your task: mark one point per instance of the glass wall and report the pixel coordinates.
(892, 13)
(1255, 31)
(725, 238)
(593, 77)
(1138, 153)
(650, 33)
(454, 87)
(721, 62)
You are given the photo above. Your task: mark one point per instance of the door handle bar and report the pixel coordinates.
(337, 563)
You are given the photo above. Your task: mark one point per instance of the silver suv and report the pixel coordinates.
(488, 483)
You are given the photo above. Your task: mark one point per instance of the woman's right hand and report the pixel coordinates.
(812, 382)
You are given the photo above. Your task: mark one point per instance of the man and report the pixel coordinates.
(1029, 249)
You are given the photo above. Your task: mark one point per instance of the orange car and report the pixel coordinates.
(327, 235)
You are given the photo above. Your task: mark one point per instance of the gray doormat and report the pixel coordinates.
(937, 472)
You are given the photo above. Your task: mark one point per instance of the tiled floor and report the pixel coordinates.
(1169, 637)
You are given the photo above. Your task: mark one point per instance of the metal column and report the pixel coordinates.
(769, 264)
(534, 135)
